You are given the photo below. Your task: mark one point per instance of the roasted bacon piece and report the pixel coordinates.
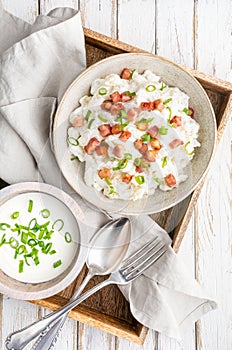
(106, 105)
(175, 143)
(132, 113)
(155, 144)
(151, 155)
(78, 121)
(158, 104)
(126, 177)
(153, 131)
(105, 130)
(177, 120)
(148, 106)
(170, 180)
(116, 96)
(191, 112)
(126, 74)
(104, 172)
(125, 135)
(91, 145)
(101, 150)
(118, 151)
(116, 129)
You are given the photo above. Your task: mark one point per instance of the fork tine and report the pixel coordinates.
(145, 257)
(139, 253)
(137, 272)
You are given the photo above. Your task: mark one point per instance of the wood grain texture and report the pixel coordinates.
(208, 49)
(24, 9)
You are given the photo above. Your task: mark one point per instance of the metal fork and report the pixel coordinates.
(131, 269)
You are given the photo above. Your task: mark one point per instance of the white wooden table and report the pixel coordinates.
(195, 34)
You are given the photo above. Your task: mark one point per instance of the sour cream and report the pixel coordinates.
(65, 252)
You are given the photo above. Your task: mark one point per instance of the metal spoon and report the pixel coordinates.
(107, 250)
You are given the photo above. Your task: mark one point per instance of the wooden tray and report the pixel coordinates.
(107, 309)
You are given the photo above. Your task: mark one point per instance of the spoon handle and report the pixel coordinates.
(19, 339)
(48, 340)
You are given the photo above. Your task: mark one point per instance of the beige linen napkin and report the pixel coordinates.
(38, 62)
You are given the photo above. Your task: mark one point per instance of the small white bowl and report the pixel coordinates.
(31, 291)
(172, 75)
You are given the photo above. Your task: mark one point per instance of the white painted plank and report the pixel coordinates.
(136, 23)
(213, 40)
(16, 315)
(90, 338)
(68, 336)
(24, 9)
(47, 5)
(100, 15)
(175, 30)
(214, 241)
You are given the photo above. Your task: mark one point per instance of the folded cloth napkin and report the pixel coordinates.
(38, 62)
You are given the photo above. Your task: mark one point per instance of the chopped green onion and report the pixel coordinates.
(185, 147)
(57, 263)
(72, 141)
(90, 123)
(128, 93)
(165, 162)
(124, 125)
(58, 224)
(24, 237)
(132, 73)
(68, 237)
(186, 111)
(21, 263)
(21, 249)
(32, 242)
(45, 213)
(107, 180)
(167, 101)
(32, 224)
(36, 260)
(158, 180)
(13, 243)
(104, 120)
(163, 130)
(144, 120)
(52, 252)
(145, 164)
(123, 114)
(3, 240)
(44, 225)
(49, 234)
(47, 248)
(15, 215)
(41, 244)
(75, 158)
(137, 161)
(30, 205)
(122, 163)
(163, 86)
(146, 137)
(32, 235)
(128, 156)
(2, 224)
(102, 91)
(170, 115)
(140, 179)
(150, 88)
(111, 190)
(88, 114)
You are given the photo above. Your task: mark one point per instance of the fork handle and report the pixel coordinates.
(48, 340)
(19, 339)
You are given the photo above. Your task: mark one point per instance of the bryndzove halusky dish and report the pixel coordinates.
(134, 134)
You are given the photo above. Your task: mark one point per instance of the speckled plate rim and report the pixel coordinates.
(86, 71)
(25, 187)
